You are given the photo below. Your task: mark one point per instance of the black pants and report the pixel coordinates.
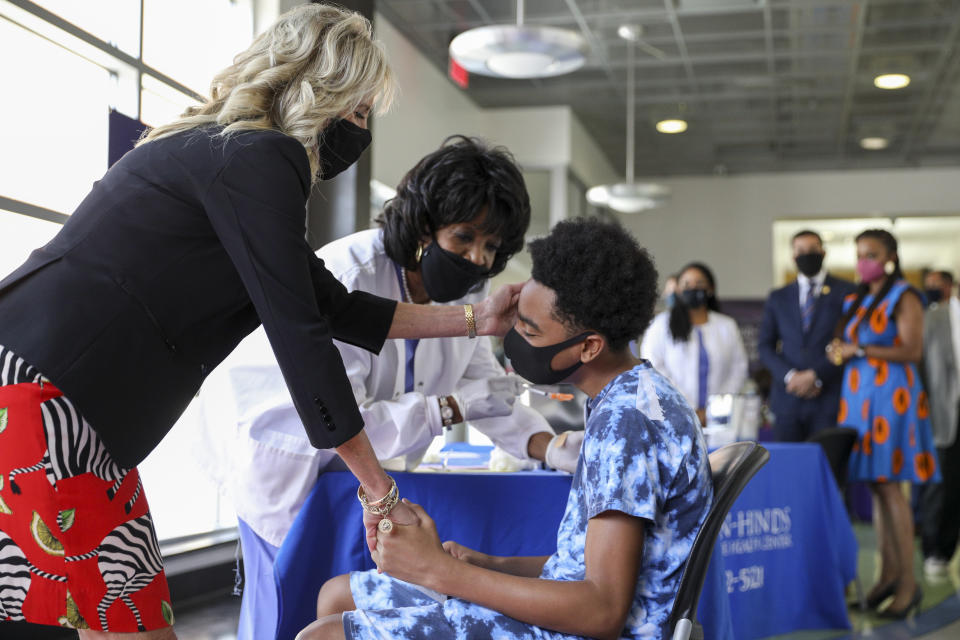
(940, 506)
(805, 418)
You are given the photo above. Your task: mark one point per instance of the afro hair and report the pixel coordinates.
(603, 279)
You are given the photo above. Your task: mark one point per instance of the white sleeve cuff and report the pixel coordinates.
(434, 421)
(786, 378)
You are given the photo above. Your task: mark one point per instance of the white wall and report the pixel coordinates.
(428, 109)
(727, 221)
(587, 161)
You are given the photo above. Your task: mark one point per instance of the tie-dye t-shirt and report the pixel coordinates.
(643, 455)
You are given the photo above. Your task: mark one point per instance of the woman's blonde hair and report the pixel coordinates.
(314, 64)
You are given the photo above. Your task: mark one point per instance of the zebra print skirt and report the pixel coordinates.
(77, 544)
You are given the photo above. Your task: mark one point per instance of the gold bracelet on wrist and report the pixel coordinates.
(471, 321)
(384, 505)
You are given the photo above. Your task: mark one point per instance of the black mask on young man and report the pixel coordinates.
(695, 298)
(809, 264)
(447, 276)
(933, 295)
(533, 363)
(341, 144)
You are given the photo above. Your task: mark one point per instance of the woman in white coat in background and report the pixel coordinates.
(458, 217)
(693, 344)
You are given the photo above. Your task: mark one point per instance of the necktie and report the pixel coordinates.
(806, 313)
(703, 368)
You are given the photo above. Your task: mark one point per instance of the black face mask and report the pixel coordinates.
(533, 363)
(341, 144)
(933, 295)
(447, 276)
(809, 264)
(695, 298)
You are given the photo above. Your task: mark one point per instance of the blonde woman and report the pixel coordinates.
(186, 245)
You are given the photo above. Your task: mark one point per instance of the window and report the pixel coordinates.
(161, 103)
(21, 235)
(193, 50)
(55, 136)
(114, 21)
(70, 62)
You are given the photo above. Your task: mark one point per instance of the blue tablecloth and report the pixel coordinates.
(783, 558)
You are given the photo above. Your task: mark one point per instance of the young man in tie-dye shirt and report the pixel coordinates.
(640, 493)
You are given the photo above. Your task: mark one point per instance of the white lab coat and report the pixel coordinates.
(679, 361)
(269, 466)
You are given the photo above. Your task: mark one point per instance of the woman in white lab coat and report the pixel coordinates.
(458, 216)
(693, 344)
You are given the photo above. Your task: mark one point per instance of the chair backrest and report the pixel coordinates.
(731, 468)
(837, 443)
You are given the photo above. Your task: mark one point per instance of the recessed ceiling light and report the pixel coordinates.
(672, 126)
(629, 31)
(891, 81)
(874, 144)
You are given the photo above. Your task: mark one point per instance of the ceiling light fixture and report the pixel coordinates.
(874, 143)
(672, 125)
(629, 197)
(518, 50)
(891, 81)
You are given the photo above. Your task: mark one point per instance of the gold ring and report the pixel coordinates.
(386, 526)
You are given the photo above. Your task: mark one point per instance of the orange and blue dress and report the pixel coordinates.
(885, 402)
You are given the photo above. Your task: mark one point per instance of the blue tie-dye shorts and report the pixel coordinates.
(390, 609)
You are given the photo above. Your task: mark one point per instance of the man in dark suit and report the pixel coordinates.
(798, 322)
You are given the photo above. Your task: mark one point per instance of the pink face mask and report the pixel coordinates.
(869, 270)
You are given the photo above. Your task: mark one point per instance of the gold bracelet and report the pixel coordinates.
(384, 505)
(471, 321)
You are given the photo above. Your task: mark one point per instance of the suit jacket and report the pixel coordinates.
(940, 374)
(186, 245)
(783, 345)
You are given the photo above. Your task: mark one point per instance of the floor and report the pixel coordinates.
(213, 620)
(939, 617)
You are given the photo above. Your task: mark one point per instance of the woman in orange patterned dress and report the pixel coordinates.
(880, 338)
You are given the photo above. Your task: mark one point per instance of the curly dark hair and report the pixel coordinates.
(453, 184)
(604, 281)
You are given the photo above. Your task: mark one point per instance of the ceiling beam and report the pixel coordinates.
(771, 73)
(596, 46)
(935, 84)
(856, 42)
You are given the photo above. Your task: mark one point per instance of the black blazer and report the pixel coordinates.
(184, 247)
(783, 345)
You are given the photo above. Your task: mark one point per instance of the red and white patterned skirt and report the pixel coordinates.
(77, 543)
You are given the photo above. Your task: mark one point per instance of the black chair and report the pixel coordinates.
(837, 443)
(731, 468)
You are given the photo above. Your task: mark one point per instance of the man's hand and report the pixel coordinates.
(803, 384)
(400, 514)
(564, 451)
(497, 313)
(412, 553)
(467, 554)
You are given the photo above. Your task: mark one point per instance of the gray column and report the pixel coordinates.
(339, 207)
